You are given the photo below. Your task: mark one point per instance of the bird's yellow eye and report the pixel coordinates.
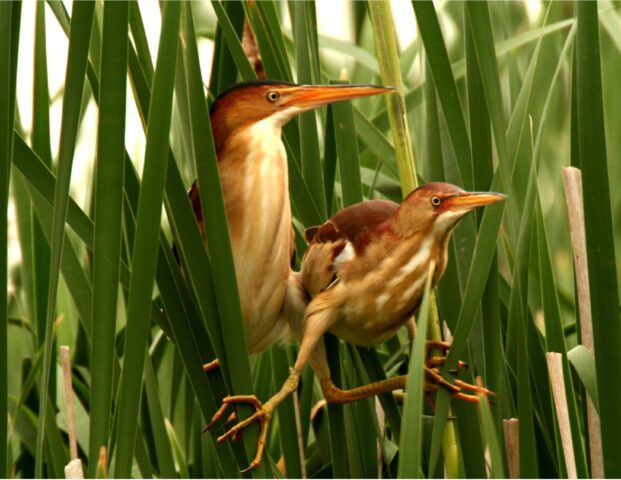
(435, 201)
(272, 96)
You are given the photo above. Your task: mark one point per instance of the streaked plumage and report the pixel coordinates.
(365, 269)
(247, 123)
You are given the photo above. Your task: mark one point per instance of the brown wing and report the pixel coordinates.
(343, 236)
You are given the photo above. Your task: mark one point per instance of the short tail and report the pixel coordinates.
(294, 306)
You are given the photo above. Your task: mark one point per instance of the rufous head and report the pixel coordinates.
(250, 102)
(438, 207)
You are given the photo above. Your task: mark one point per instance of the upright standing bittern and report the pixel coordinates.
(247, 121)
(366, 269)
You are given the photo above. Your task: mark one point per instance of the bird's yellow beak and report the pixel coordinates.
(472, 200)
(312, 96)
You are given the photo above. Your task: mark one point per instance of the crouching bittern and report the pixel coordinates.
(366, 269)
(247, 121)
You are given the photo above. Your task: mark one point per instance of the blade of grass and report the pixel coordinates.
(518, 312)
(329, 161)
(74, 84)
(440, 69)
(224, 70)
(145, 244)
(480, 267)
(483, 170)
(583, 362)
(286, 416)
(41, 145)
(40, 248)
(383, 28)
(233, 42)
(10, 14)
(164, 457)
(599, 232)
(555, 338)
(491, 436)
(336, 414)
(268, 33)
(108, 205)
(223, 272)
(483, 40)
(410, 447)
(308, 73)
(349, 168)
(41, 178)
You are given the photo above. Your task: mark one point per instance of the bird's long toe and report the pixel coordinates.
(210, 366)
(261, 415)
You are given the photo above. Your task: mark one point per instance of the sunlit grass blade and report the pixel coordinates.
(145, 244)
(139, 36)
(584, 365)
(599, 232)
(382, 20)
(108, 202)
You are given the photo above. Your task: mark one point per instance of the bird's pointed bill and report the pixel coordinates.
(311, 96)
(472, 200)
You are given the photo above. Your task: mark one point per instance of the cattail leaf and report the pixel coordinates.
(599, 230)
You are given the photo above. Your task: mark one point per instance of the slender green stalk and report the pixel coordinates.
(40, 248)
(108, 208)
(146, 241)
(307, 73)
(599, 233)
(388, 58)
(410, 448)
(9, 35)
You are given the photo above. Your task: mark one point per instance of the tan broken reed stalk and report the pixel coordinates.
(572, 181)
(557, 382)
(511, 430)
(74, 468)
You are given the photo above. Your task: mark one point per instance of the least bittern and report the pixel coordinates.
(247, 121)
(366, 269)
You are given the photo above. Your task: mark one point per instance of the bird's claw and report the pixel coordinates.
(456, 388)
(434, 378)
(262, 416)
